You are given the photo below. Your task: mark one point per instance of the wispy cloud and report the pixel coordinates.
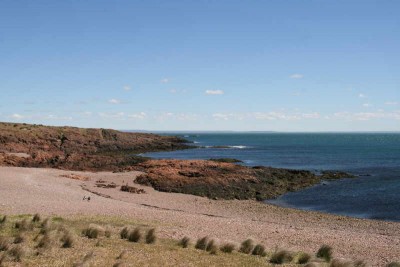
(127, 87)
(365, 116)
(140, 115)
(367, 105)
(116, 115)
(17, 116)
(165, 80)
(296, 76)
(114, 101)
(362, 95)
(391, 103)
(214, 92)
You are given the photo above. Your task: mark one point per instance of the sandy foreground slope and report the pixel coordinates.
(46, 191)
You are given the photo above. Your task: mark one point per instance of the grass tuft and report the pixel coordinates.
(122, 255)
(124, 233)
(20, 238)
(247, 246)
(4, 244)
(3, 220)
(281, 256)
(93, 231)
(23, 225)
(45, 242)
(212, 247)
(107, 233)
(259, 250)
(36, 218)
(135, 235)
(17, 252)
(340, 263)
(67, 240)
(184, 242)
(151, 236)
(228, 247)
(325, 252)
(202, 243)
(393, 264)
(303, 258)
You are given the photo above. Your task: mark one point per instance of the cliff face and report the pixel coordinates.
(77, 148)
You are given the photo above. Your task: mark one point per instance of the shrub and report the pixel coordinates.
(45, 226)
(259, 250)
(228, 248)
(45, 242)
(393, 264)
(67, 240)
(23, 225)
(340, 263)
(36, 218)
(212, 247)
(202, 243)
(3, 220)
(151, 236)
(17, 252)
(303, 258)
(281, 256)
(93, 231)
(20, 238)
(184, 242)
(325, 252)
(124, 233)
(135, 235)
(4, 244)
(247, 246)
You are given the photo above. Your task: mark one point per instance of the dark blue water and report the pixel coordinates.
(375, 157)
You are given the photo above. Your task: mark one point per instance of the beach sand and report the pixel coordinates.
(48, 191)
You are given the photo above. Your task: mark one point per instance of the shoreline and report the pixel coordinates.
(31, 190)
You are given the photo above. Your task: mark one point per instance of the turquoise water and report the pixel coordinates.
(374, 157)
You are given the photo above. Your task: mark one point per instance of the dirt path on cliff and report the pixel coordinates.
(25, 190)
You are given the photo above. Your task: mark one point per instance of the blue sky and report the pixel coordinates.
(202, 65)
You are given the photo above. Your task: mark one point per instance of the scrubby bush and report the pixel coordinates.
(3, 220)
(281, 256)
(45, 242)
(17, 252)
(4, 244)
(36, 218)
(324, 252)
(303, 258)
(67, 240)
(202, 243)
(93, 231)
(228, 247)
(20, 238)
(23, 225)
(151, 236)
(135, 235)
(247, 246)
(184, 242)
(124, 233)
(259, 250)
(45, 227)
(211, 245)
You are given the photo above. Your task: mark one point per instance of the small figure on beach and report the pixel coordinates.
(84, 197)
(88, 199)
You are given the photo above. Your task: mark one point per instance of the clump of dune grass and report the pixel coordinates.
(227, 247)
(107, 233)
(135, 235)
(119, 264)
(36, 218)
(67, 240)
(259, 250)
(4, 244)
(247, 246)
(303, 258)
(93, 231)
(23, 225)
(361, 263)
(211, 245)
(393, 264)
(184, 242)
(45, 242)
(19, 238)
(2, 259)
(151, 236)
(45, 227)
(281, 256)
(122, 255)
(124, 233)
(340, 263)
(325, 252)
(85, 260)
(17, 252)
(3, 220)
(311, 264)
(202, 243)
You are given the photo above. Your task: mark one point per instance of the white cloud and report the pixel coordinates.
(391, 103)
(114, 101)
(365, 116)
(362, 96)
(117, 115)
(17, 116)
(140, 116)
(296, 76)
(367, 105)
(214, 92)
(173, 91)
(127, 88)
(165, 80)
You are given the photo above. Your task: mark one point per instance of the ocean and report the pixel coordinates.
(373, 157)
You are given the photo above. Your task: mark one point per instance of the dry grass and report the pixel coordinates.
(36, 218)
(259, 250)
(303, 258)
(4, 243)
(202, 243)
(247, 246)
(212, 247)
(93, 231)
(393, 264)
(17, 253)
(228, 247)
(23, 225)
(135, 235)
(3, 220)
(151, 236)
(67, 240)
(124, 233)
(19, 238)
(325, 252)
(45, 242)
(184, 242)
(341, 263)
(281, 257)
